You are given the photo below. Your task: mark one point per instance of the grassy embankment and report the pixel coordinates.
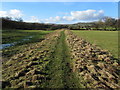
(105, 39)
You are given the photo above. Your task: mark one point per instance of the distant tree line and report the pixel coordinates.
(107, 23)
(8, 23)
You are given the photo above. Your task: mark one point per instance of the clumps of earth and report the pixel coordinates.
(95, 67)
(25, 69)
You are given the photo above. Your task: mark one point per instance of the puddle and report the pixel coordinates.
(2, 46)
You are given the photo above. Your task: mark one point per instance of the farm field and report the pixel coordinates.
(60, 60)
(11, 39)
(60, 45)
(10, 36)
(105, 39)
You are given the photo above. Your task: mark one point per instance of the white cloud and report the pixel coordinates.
(87, 15)
(82, 14)
(33, 19)
(68, 18)
(3, 14)
(57, 18)
(14, 13)
(52, 19)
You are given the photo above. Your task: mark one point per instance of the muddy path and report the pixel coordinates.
(62, 60)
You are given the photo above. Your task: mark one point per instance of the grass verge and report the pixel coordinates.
(59, 69)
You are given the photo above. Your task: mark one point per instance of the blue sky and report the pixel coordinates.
(60, 12)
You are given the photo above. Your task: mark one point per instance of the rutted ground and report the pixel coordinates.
(96, 67)
(43, 64)
(24, 70)
(62, 60)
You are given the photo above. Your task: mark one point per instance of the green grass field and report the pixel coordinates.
(10, 36)
(105, 39)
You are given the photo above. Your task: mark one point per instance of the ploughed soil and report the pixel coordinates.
(61, 60)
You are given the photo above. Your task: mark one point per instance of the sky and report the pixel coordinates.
(59, 12)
